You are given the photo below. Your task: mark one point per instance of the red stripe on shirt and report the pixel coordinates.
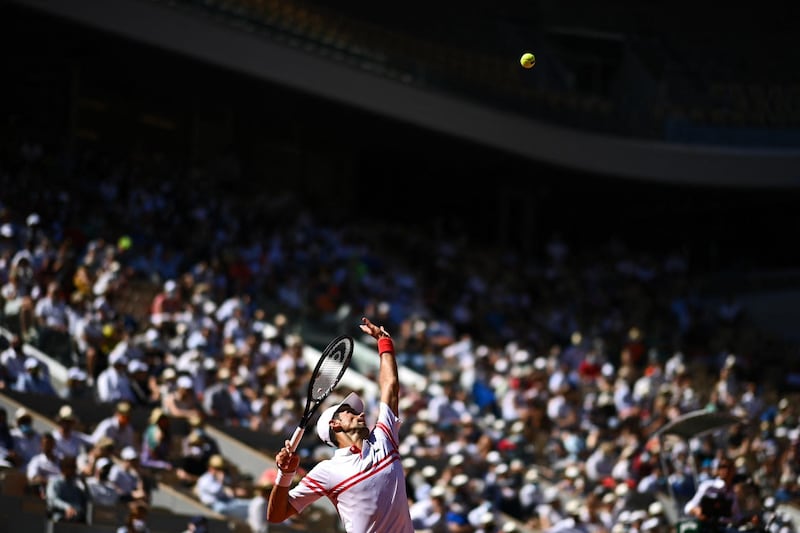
(388, 432)
(354, 480)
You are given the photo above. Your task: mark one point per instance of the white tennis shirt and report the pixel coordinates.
(367, 488)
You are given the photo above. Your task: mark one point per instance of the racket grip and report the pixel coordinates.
(296, 437)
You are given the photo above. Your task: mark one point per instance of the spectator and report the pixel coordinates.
(182, 401)
(194, 459)
(13, 360)
(197, 524)
(77, 385)
(67, 494)
(291, 365)
(87, 461)
(8, 455)
(429, 513)
(167, 384)
(87, 332)
(43, 466)
(143, 387)
(34, 380)
(68, 440)
(129, 478)
(116, 427)
(27, 441)
(219, 400)
(257, 511)
(52, 321)
(18, 304)
(157, 441)
(136, 519)
(113, 384)
(197, 449)
(166, 305)
(714, 502)
(219, 492)
(101, 489)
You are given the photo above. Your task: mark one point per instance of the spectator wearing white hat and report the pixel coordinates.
(182, 401)
(143, 385)
(68, 440)
(77, 386)
(35, 380)
(113, 384)
(430, 512)
(102, 490)
(550, 511)
(128, 476)
(166, 305)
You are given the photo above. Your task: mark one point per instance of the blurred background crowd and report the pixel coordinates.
(174, 283)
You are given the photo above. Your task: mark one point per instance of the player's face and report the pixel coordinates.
(349, 418)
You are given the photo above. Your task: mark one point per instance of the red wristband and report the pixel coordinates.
(385, 344)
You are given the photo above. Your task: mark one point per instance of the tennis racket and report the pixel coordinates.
(330, 368)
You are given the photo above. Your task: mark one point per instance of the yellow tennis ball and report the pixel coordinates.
(527, 60)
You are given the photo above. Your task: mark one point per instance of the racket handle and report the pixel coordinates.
(296, 437)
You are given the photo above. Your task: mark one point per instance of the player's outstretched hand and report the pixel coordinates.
(371, 329)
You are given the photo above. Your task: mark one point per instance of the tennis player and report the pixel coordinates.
(364, 479)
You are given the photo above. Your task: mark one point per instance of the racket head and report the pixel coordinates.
(332, 364)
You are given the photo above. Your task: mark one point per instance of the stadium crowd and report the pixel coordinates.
(546, 378)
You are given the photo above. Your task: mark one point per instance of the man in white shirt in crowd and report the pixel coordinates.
(68, 441)
(128, 476)
(117, 427)
(218, 492)
(43, 465)
(113, 383)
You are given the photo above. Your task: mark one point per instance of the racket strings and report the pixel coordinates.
(327, 377)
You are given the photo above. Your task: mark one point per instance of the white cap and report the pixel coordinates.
(7, 230)
(650, 524)
(324, 421)
(185, 382)
(137, 366)
(117, 358)
(102, 462)
(459, 480)
(32, 219)
(437, 491)
(456, 459)
(494, 457)
(170, 285)
(31, 362)
(128, 453)
(76, 374)
(428, 471)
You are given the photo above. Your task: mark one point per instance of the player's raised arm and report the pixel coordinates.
(388, 380)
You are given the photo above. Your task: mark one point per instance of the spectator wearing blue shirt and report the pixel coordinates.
(34, 380)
